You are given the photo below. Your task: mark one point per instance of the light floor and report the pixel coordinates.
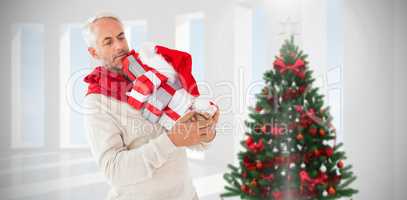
(73, 175)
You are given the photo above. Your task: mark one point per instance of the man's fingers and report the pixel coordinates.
(205, 123)
(207, 134)
(186, 117)
(216, 116)
(207, 130)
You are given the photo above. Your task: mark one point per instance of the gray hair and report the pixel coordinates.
(87, 32)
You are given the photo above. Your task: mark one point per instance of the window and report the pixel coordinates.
(261, 58)
(136, 33)
(75, 64)
(190, 37)
(335, 64)
(28, 85)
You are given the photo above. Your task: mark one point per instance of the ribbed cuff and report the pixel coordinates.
(164, 144)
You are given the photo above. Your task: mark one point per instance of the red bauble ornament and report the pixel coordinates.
(244, 188)
(329, 151)
(259, 164)
(322, 132)
(336, 179)
(340, 164)
(331, 191)
(289, 94)
(317, 153)
(249, 141)
(298, 108)
(260, 145)
(299, 137)
(257, 129)
(254, 183)
(302, 89)
(244, 175)
(258, 109)
(313, 131)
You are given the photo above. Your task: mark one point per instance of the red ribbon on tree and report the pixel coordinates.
(254, 146)
(296, 68)
(307, 118)
(306, 180)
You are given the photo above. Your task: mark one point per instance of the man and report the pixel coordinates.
(140, 160)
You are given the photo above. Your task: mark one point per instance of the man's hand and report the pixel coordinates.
(208, 133)
(187, 132)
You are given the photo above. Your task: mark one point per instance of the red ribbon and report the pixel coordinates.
(255, 146)
(296, 68)
(306, 180)
(308, 117)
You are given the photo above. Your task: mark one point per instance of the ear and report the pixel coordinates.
(93, 53)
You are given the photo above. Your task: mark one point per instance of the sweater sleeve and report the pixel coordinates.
(118, 164)
(202, 146)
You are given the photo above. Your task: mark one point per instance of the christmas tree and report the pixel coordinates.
(290, 151)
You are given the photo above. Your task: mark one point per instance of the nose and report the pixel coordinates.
(120, 45)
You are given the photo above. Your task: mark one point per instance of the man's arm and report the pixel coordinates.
(120, 165)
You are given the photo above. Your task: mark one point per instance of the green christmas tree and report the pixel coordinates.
(289, 150)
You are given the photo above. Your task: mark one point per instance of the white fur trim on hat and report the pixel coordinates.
(150, 57)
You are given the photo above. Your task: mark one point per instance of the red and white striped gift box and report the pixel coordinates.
(162, 98)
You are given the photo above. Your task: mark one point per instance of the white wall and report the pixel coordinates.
(5, 79)
(374, 88)
(400, 97)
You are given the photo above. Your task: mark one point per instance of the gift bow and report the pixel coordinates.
(296, 68)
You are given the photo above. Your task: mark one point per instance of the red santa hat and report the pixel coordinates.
(182, 64)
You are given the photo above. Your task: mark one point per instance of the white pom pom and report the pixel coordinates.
(204, 106)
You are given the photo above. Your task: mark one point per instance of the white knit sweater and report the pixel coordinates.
(137, 157)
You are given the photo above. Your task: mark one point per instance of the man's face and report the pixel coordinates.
(110, 42)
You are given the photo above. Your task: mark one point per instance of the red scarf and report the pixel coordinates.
(109, 83)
